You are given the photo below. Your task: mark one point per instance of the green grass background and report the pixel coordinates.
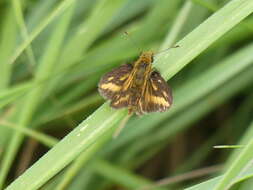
(55, 129)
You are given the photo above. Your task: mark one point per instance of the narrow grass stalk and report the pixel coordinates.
(56, 12)
(88, 32)
(206, 4)
(122, 176)
(8, 43)
(228, 146)
(9, 95)
(44, 139)
(58, 113)
(239, 165)
(177, 26)
(239, 170)
(20, 21)
(245, 140)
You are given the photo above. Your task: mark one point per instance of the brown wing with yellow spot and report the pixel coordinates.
(157, 95)
(111, 84)
(121, 100)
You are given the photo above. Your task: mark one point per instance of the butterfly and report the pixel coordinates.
(137, 87)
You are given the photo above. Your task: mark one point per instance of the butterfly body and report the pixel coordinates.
(137, 87)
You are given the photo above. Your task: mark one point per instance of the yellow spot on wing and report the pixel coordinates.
(160, 100)
(124, 98)
(127, 83)
(123, 77)
(110, 78)
(165, 94)
(110, 86)
(154, 86)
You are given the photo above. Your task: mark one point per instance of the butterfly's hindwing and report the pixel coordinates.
(110, 85)
(120, 100)
(157, 96)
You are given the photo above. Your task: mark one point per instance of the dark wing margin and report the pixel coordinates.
(157, 96)
(111, 83)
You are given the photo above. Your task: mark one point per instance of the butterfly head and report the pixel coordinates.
(147, 57)
(144, 62)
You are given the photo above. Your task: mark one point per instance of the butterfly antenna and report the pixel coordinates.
(132, 41)
(176, 46)
(122, 125)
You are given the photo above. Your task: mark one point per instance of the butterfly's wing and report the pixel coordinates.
(157, 96)
(121, 100)
(115, 86)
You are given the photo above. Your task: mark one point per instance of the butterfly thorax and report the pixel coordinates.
(142, 69)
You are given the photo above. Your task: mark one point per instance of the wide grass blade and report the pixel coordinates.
(81, 138)
(203, 36)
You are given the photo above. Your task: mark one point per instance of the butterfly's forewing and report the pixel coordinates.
(157, 96)
(111, 84)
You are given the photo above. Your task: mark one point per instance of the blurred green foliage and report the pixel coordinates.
(54, 122)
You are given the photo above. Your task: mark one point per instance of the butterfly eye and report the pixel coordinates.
(154, 74)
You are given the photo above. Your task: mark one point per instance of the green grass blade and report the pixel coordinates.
(7, 45)
(240, 170)
(20, 21)
(122, 176)
(88, 32)
(8, 33)
(207, 4)
(245, 140)
(205, 185)
(81, 138)
(81, 161)
(237, 169)
(32, 99)
(10, 94)
(56, 12)
(44, 139)
(203, 36)
(177, 26)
